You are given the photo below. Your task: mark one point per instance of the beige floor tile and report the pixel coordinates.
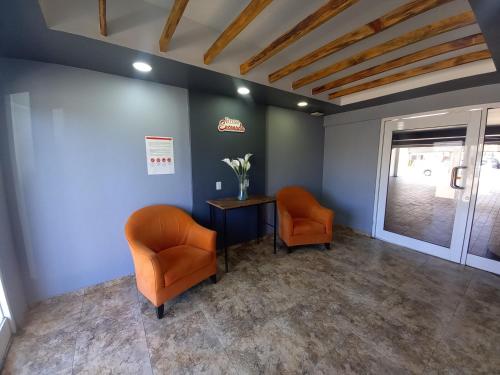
(364, 306)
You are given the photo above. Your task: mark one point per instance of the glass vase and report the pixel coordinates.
(243, 184)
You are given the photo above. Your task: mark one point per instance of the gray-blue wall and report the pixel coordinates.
(9, 264)
(350, 171)
(209, 147)
(351, 150)
(74, 155)
(294, 148)
(78, 168)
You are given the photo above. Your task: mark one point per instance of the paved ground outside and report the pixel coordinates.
(485, 236)
(414, 210)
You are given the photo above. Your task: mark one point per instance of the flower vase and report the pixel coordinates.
(243, 184)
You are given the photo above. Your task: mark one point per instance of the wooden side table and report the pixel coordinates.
(226, 204)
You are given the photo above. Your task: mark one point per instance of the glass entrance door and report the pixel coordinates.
(426, 180)
(482, 245)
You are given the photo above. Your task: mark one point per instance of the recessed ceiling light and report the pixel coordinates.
(302, 104)
(142, 66)
(317, 114)
(243, 91)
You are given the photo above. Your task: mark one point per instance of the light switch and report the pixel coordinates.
(218, 185)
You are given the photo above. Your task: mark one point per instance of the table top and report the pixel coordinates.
(232, 202)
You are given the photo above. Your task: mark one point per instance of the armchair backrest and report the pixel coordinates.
(158, 227)
(296, 200)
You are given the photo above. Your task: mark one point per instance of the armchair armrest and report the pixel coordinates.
(148, 270)
(201, 237)
(322, 215)
(285, 222)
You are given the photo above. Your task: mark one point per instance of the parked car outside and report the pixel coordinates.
(491, 162)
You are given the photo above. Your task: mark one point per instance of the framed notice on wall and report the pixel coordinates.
(160, 155)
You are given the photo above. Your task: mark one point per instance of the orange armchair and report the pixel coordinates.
(302, 220)
(171, 252)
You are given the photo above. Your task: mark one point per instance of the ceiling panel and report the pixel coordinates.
(135, 25)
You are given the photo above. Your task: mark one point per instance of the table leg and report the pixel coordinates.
(258, 222)
(275, 227)
(212, 221)
(224, 242)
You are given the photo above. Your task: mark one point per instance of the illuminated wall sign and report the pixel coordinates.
(230, 125)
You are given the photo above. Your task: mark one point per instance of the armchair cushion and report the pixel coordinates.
(307, 226)
(181, 261)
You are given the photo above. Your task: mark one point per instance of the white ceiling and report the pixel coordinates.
(137, 24)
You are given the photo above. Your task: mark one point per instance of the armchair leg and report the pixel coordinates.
(288, 248)
(327, 245)
(159, 311)
(214, 279)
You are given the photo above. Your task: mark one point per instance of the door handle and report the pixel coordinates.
(454, 177)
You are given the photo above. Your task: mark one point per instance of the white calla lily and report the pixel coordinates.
(240, 166)
(228, 162)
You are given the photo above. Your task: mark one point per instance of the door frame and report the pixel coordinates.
(472, 260)
(471, 121)
(469, 259)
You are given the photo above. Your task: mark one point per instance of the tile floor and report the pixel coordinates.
(364, 306)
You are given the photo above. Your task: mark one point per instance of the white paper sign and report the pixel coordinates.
(160, 155)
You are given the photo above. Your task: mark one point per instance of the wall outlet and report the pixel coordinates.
(218, 185)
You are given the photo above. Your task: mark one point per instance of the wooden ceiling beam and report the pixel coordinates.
(468, 41)
(103, 26)
(171, 24)
(433, 29)
(248, 14)
(308, 24)
(398, 15)
(434, 67)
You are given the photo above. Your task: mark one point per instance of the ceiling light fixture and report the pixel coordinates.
(302, 104)
(243, 90)
(142, 66)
